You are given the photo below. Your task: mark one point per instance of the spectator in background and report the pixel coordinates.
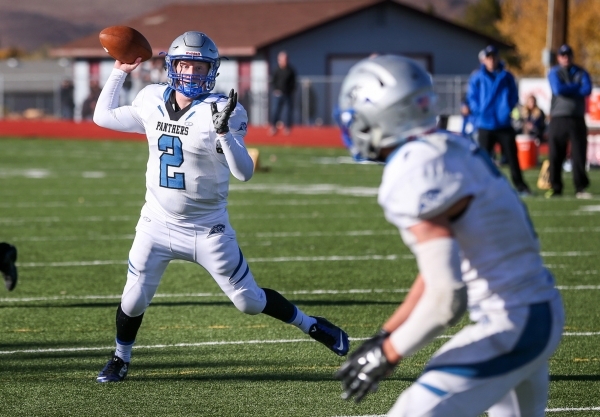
(531, 120)
(67, 102)
(126, 90)
(468, 128)
(284, 86)
(89, 105)
(491, 96)
(570, 86)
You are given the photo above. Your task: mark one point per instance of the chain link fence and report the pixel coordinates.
(37, 96)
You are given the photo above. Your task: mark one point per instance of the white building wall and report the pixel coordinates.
(259, 88)
(228, 77)
(81, 84)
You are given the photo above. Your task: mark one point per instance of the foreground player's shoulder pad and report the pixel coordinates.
(417, 184)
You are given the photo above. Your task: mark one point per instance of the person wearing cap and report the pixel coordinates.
(570, 86)
(492, 94)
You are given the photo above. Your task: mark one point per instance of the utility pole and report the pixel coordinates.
(556, 30)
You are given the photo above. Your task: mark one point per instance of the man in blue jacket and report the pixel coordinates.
(570, 85)
(491, 95)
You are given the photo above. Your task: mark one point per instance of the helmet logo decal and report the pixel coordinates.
(423, 103)
(193, 53)
(353, 94)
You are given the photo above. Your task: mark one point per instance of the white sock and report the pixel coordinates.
(124, 351)
(302, 321)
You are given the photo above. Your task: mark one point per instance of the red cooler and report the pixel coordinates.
(527, 152)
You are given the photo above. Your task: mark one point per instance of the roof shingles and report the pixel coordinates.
(239, 29)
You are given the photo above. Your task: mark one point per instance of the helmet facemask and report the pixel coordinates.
(194, 47)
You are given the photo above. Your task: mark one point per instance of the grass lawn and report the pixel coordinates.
(310, 227)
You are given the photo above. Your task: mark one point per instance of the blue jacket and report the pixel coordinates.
(491, 97)
(570, 86)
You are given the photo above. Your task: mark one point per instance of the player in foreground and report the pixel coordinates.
(475, 248)
(196, 141)
(8, 257)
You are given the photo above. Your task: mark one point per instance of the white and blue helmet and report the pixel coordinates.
(192, 46)
(383, 101)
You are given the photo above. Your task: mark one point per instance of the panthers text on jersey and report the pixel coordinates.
(188, 168)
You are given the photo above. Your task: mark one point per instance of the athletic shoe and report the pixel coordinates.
(583, 195)
(114, 371)
(8, 257)
(552, 194)
(525, 193)
(330, 335)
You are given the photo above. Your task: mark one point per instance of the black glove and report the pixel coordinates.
(365, 368)
(221, 118)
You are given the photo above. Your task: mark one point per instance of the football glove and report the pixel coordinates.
(221, 118)
(365, 368)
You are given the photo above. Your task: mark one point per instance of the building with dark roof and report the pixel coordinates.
(322, 38)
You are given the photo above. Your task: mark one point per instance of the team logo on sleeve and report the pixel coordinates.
(430, 199)
(243, 127)
(217, 229)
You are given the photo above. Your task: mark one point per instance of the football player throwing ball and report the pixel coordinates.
(195, 140)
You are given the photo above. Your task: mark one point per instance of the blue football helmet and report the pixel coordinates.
(383, 102)
(192, 46)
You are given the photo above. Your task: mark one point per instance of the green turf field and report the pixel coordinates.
(310, 227)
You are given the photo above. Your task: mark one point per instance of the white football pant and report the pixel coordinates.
(499, 364)
(211, 243)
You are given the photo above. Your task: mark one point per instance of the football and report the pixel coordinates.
(125, 44)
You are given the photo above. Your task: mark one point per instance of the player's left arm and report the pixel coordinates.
(230, 124)
(436, 300)
(438, 296)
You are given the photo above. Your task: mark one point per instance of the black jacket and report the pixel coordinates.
(284, 80)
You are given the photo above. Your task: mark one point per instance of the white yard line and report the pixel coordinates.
(548, 410)
(207, 294)
(220, 294)
(51, 204)
(269, 235)
(273, 235)
(250, 260)
(332, 258)
(211, 343)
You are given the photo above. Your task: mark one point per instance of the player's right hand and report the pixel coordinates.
(127, 67)
(365, 368)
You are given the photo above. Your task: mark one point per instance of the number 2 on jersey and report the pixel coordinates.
(169, 144)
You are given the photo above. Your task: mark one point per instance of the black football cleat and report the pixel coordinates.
(330, 335)
(114, 371)
(8, 257)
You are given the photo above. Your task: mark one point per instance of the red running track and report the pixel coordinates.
(326, 136)
(87, 130)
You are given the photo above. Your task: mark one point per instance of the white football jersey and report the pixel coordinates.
(501, 264)
(189, 165)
